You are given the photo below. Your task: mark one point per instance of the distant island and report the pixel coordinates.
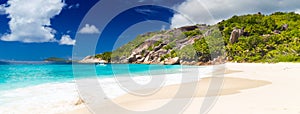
(58, 60)
(247, 38)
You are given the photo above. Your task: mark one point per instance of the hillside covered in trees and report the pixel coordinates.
(246, 38)
(270, 38)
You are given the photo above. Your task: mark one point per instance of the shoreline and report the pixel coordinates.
(258, 93)
(65, 94)
(241, 81)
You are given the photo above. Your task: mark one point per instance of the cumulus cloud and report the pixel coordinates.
(30, 20)
(66, 40)
(212, 11)
(89, 29)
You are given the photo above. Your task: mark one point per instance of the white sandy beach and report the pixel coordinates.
(249, 89)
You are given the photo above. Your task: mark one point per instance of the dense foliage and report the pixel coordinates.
(259, 43)
(192, 33)
(262, 45)
(105, 56)
(210, 46)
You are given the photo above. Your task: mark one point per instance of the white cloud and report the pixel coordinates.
(30, 20)
(212, 11)
(89, 29)
(67, 40)
(180, 20)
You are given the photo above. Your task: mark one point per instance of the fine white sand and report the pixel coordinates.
(247, 89)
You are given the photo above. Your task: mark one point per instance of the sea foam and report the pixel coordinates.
(61, 97)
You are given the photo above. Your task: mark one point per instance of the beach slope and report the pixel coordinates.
(247, 88)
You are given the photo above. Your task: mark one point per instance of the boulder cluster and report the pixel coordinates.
(158, 44)
(145, 56)
(236, 33)
(162, 47)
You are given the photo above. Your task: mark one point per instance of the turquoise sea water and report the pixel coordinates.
(13, 76)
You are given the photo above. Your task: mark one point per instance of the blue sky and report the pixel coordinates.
(66, 22)
(35, 30)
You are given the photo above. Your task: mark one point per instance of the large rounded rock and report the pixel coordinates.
(284, 27)
(132, 58)
(156, 48)
(235, 34)
(173, 61)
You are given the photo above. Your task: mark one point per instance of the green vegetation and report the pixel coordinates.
(262, 45)
(187, 53)
(192, 33)
(204, 49)
(165, 57)
(173, 54)
(155, 44)
(209, 47)
(104, 56)
(258, 44)
(150, 48)
(170, 55)
(167, 47)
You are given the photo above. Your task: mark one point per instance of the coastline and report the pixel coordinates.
(256, 88)
(58, 97)
(260, 87)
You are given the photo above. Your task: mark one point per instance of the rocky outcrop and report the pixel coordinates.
(276, 31)
(91, 60)
(156, 48)
(79, 101)
(284, 27)
(188, 62)
(162, 52)
(188, 28)
(235, 34)
(148, 57)
(160, 37)
(207, 33)
(160, 48)
(172, 61)
(120, 60)
(143, 46)
(123, 59)
(184, 42)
